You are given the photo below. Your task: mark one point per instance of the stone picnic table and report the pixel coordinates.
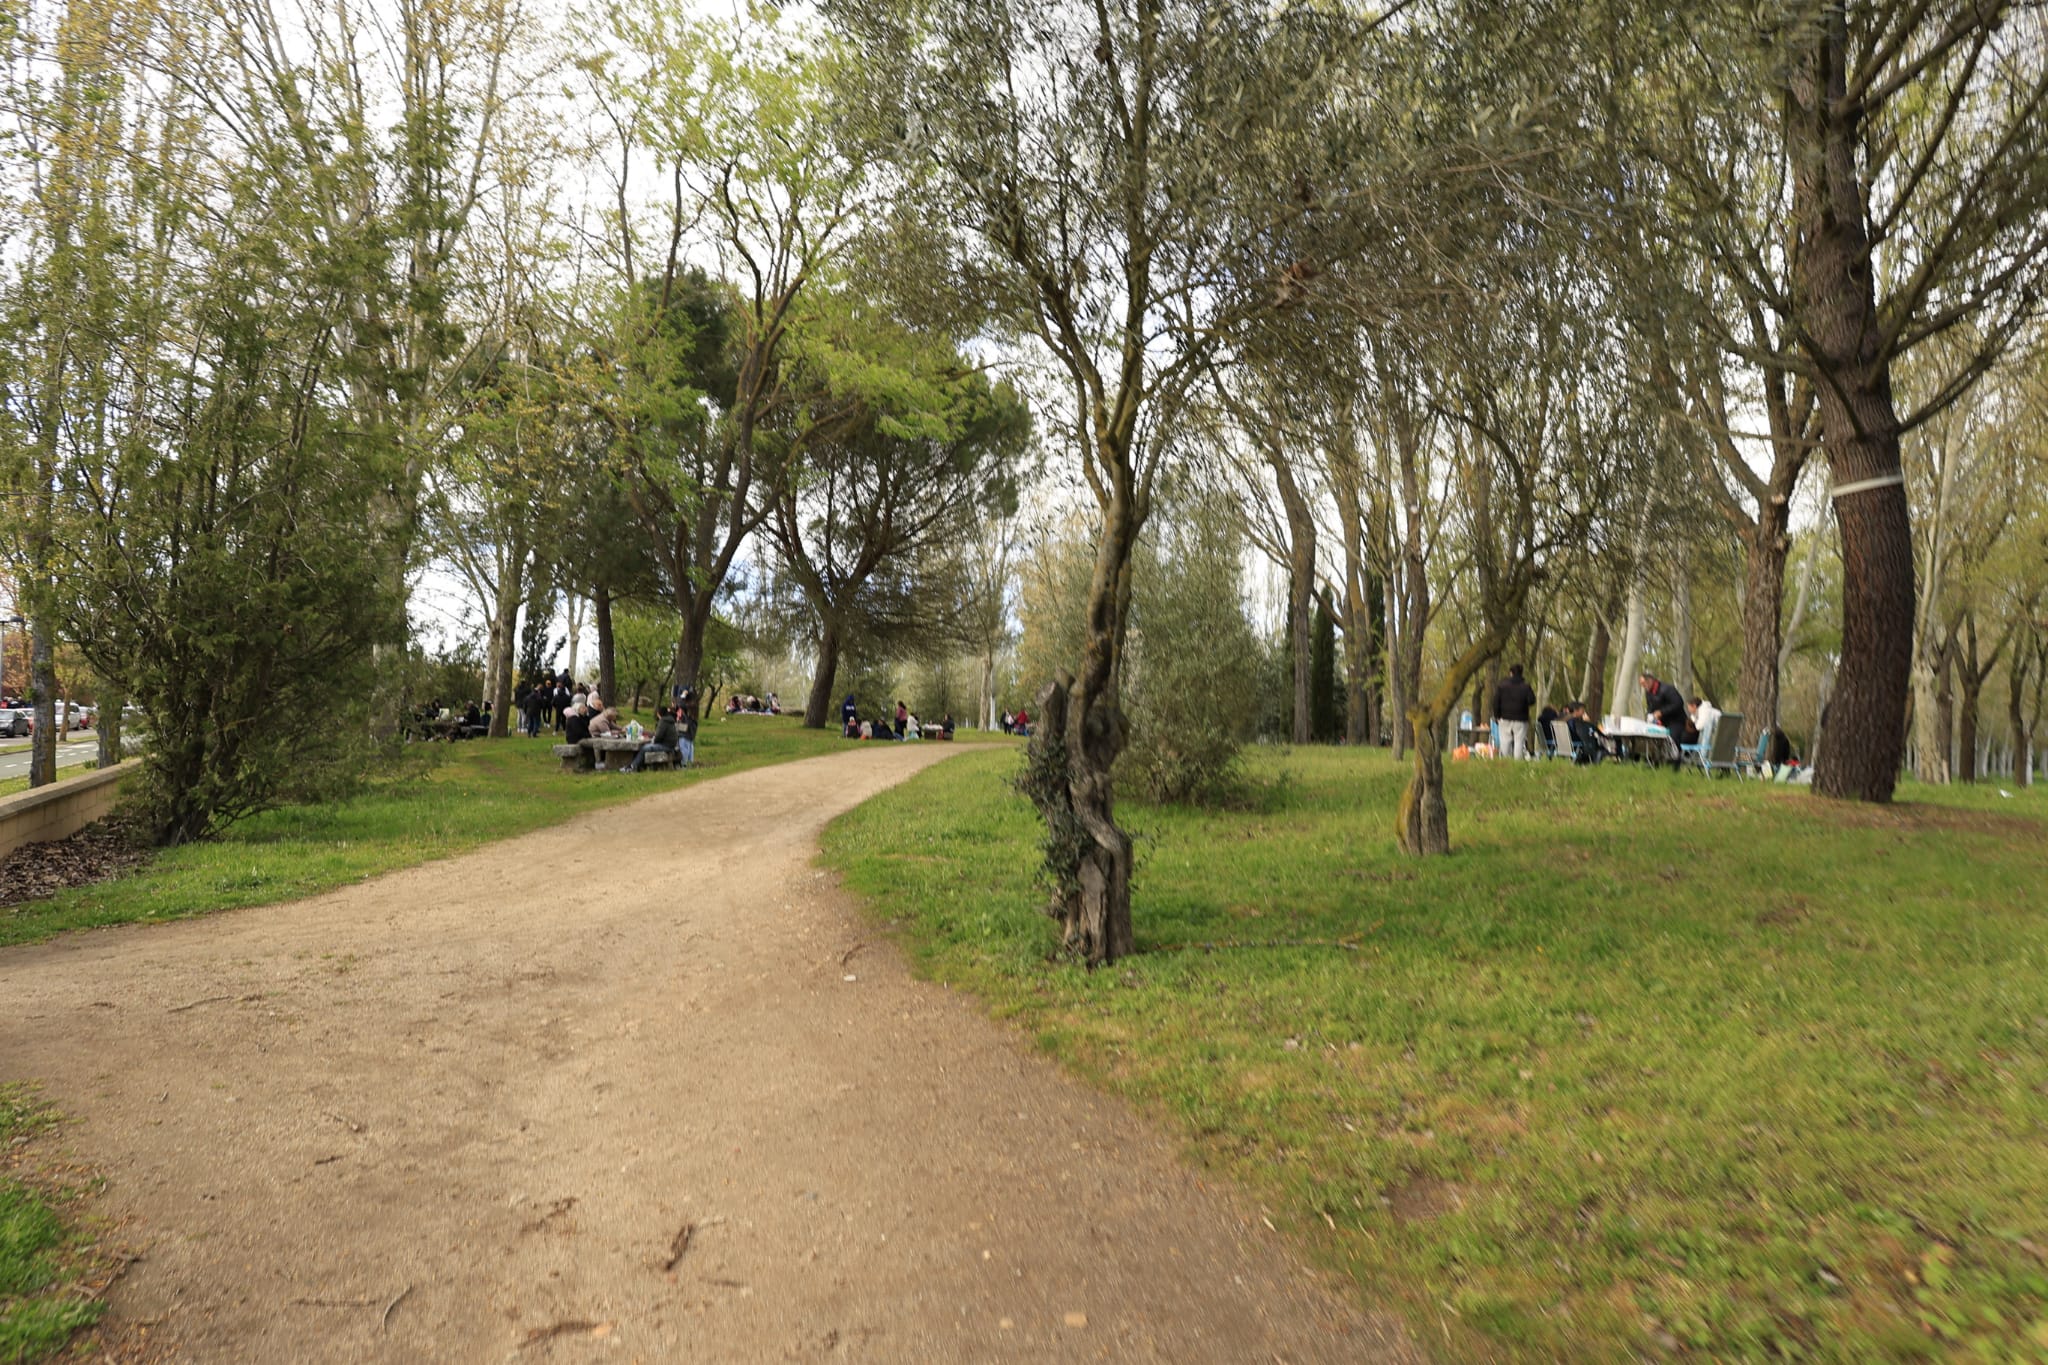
(609, 754)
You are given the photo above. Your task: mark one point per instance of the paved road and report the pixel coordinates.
(69, 754)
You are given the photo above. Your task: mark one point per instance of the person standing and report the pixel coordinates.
(686, 727)
(902, 718)
(1512, 701)
(1664, 703)
(561, 705)
(530, 708)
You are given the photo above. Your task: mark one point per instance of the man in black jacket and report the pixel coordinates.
(1666, 706)
(1511, 703)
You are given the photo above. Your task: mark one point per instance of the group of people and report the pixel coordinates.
(746, 704)
(437, 721)
(1018, 724)
(547, 703)
(675, 727)
(903, 726)
(1688, 724)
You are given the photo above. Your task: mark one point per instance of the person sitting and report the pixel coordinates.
(1589, 743)
(605, 724)
(575, 724)
(664, 738)
(852, 730)
(774, 705)
(946, 726)
(732, 704)
(1704, 713)
(472, 723)
(1548, 714)
(867, 729)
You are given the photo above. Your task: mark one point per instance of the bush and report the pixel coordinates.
(1193, 663)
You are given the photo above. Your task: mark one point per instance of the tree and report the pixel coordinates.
(759, 172)
(1121, 173)
(905, 443)
(1908, 154)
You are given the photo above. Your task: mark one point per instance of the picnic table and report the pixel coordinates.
(609, 755)
(1641, 740)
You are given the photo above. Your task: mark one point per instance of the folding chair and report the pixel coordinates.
(1717, 754)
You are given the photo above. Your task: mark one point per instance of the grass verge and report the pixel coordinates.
(39, 1259)
(483, 791)
(1649, 1066)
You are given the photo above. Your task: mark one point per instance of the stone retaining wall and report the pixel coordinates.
(61, 809)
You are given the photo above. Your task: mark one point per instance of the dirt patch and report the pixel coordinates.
(1917, 817)
(1422, 1198)
(97, 853)
(550, 1055)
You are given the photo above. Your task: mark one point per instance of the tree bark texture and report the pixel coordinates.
(607, 653)
(42, 663)
(109, 725)
(1764, 547)
(818, 705)
(1835, 307)
(504, 639)
(1100, 926)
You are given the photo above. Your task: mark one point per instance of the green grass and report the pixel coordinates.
(485, 790)
(1648, 1065)
(37, 1311)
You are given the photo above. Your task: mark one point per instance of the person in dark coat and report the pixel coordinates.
(561, 705)
(530, 708)
(575, 725)
(1512, 701)
(1667, 707)
(1544, 733)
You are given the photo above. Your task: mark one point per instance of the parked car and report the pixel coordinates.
(16, 722)
(71, 715)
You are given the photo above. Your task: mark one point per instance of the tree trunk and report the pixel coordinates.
(1098, 925)
(42, 761)
(1945, 714)
(572, 606)
(1930, 746)
(1595, 689)
(988, 693)
(1835, 311)
(1630, 664)
(607, 657)
(2016, 716)
(1764, 546)
(109, 723)
(1681, 664)
(1301, 646)
(1423, 822)
(818, 705)
(690, 643)
(505, 637)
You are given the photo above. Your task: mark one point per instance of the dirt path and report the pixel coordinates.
(504, 1085)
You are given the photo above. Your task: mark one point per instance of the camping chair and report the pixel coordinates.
(1755, 765)
(1563, 745)
(1717, 754)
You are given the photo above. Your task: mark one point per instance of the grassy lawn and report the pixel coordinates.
(1648, 1066)
(37, 1261)
(484, 790)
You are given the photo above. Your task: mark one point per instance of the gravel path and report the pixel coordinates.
(637, 1088)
